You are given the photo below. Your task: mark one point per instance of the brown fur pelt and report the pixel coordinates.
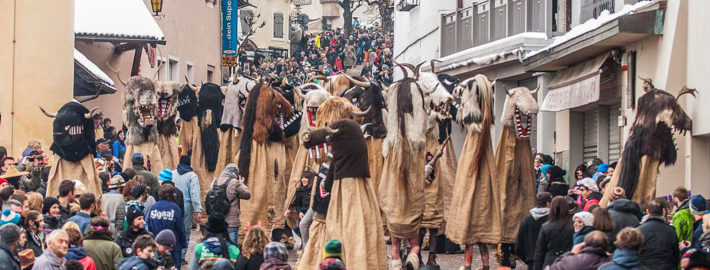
(167, 106)
(406, 116)
(334, 109)
(140, 104)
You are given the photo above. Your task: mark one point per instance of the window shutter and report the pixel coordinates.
(243, 15)
(278, 25)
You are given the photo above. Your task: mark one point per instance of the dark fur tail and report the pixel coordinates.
(631, 167)
(248, 125)
(210, 146)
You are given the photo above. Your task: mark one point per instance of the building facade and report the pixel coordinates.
(329, 12)
(273, 38)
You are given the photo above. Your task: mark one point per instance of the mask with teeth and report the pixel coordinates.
(519, 108)
(73, 132)
(140, 110)
(167, 106)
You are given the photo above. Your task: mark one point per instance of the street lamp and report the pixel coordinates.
(157, 6)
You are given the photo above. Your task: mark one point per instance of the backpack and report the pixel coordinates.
(216, 200)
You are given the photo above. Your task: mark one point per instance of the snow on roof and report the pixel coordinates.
(91, 67)
(590, 25)
(494, 44)
(115, 19)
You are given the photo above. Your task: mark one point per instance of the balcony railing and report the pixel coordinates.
(328, 1)
(591, 9)
(492, 20)
(407, 5)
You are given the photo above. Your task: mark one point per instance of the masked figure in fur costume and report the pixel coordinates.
(261, 155)
(74, 147)
(140, 113)
(231, 124)
(206, 139)
(167, 129)
(337, 84)
(651, 143)
(187, 107)
(353, 214)
(474, 210)
(514, 165)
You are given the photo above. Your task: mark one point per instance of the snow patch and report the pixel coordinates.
(495, 44)
(91, 67)
(484, 60)
(115, 18)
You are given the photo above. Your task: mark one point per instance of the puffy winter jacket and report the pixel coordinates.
(660, 245)
(527, 234)
(79, 254)
(625, 213)
(624, 259)
(589, 259)
(210, 250)
(683, 222)
(8, 259)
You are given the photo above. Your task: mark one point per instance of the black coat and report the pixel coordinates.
(527, 238)
(555, 239)
(8, 258)
(625, 213)
(178, 197)
(589, 259)
(303, 199)
(660, 245)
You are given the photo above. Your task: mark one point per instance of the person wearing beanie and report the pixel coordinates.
(213, 246)
(236, 191)
(332, 256)
(275, 257)
(165, 215)
(100, 246)
(165, 241)
(10, 241)
(587, 193)
(9, 217)
(697, 206)
(558, 185)
(148, 177)
(166, 178)
(187, 182)
(583, 224)
(50, 213)
(135, 228)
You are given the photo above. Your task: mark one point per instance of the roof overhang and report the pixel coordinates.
(120, 21)
(616, 33)
(89, 78)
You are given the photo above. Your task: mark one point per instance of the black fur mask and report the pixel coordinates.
(73, 133)
(211, 98)
(373, 99)
(187, 103)
(292, 123)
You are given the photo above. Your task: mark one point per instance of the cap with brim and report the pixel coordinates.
(13, 172)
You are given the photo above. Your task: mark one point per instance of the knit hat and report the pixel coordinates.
(9, 217)
(137, 158)
(698, 204)
(275, 250)
(131, 214)
(547, 159)
(166, 238)
(556, 172)
(2, 180)
(603, 167)
(116, 181)
(586, 217)
(333, 248)
(617, 193)
(588, 183)
(48, 202)
(166, 175)
(544, 169)
(137, 190)
(216, 223)
(231, 169)
(603, 182)
(10, 233)
(185, 160)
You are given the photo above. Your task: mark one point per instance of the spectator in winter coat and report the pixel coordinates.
(604, 223)
(77, 252)
(558, 185)
(165, 242)
(112, 200)
(210, 249)
(626, 255)
(543, 183)
(236, 190)
(189, 184)
(148, 177)
(67, 191)
(682, 218)
(35, 236)
(275, 257)
(332, 255)
(87, 202)
(697, 208)
(530, 228)
(252, 252)
(165, 215)
(53, 256)
(100, 246)
(166, 178)
(10, 241)
(660, 245)
(587, 193)
(555, 235)
(588, 255)
(625, 213)
(50, 210)
(144, 247)
(303, 197)
(583, 224)
(135, 228)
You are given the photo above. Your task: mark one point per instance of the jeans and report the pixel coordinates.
(304, 225)
(233, 234)
(188, 226)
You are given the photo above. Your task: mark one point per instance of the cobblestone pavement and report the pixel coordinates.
(446, 261)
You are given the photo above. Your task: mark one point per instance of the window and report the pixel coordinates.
(173, 69)
(244, 16)
(189, 73)
(278, 25)
(210, 73)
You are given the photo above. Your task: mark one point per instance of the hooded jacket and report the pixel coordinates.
(189, 184)
(625, 213)
(683, 222)
(589, 259)
(624, 259)
(8, 259)
(166, 215)
(100, 247)
(660, 244)
(528, 232)
(579, 236)
(79, 254)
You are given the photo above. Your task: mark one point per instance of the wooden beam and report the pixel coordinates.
(127, 47)
(136, 61)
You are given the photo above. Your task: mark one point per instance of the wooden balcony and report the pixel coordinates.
(407, 5)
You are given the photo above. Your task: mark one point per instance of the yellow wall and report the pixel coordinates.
(36, 69)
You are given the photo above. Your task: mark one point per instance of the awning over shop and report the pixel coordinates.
(575, 86)
(115, 20)
(89, 78)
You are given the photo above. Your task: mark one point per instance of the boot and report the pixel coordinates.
(431, 261)
(395, 264)
(485, 267)
(412, 262)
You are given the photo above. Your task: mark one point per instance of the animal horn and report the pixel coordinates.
(330, 130)
(312, 84)
(193, 87)
(313, 78)
(355, 114)
(91, 97)
(346, 91)
(416, 70)
(431, 64)
(535, 90)
(356, 82)
(647, 84)
(50, 115)
(364, 126)
(90, 113)
(508, 92)
(118, 73)
(404, 70)
(686, 90)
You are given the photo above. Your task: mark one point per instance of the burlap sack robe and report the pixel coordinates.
(228, 148)
(151, 154)
(199, 166)
(434, 191)
(363, 239)
(187, 134)
(474, 214)
(83, 171)
(646, 187)
(375, 160)
(514, 171)
(168, 151)
(313, 252)
(401, 191)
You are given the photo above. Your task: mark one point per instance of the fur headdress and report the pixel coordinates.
(187, 103)
(209, 117)
(167, 106)
(73, 132)
(406, 117)
(140, 110)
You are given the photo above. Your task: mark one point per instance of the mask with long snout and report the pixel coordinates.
(519, 108)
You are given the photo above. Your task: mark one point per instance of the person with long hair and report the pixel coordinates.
(252, 255)
(604, 223)
(216, 244)
(555, 235)
(118, 146)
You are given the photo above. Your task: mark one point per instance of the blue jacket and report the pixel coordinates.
(578, 237)
(81, 219)
(118, 149)
(132, 263)
(623, 259)
(164, 215)
(189, 184)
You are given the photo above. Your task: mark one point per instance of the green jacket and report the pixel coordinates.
(683, 222)
(210, 249)
(105, 252)
(149, 177)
